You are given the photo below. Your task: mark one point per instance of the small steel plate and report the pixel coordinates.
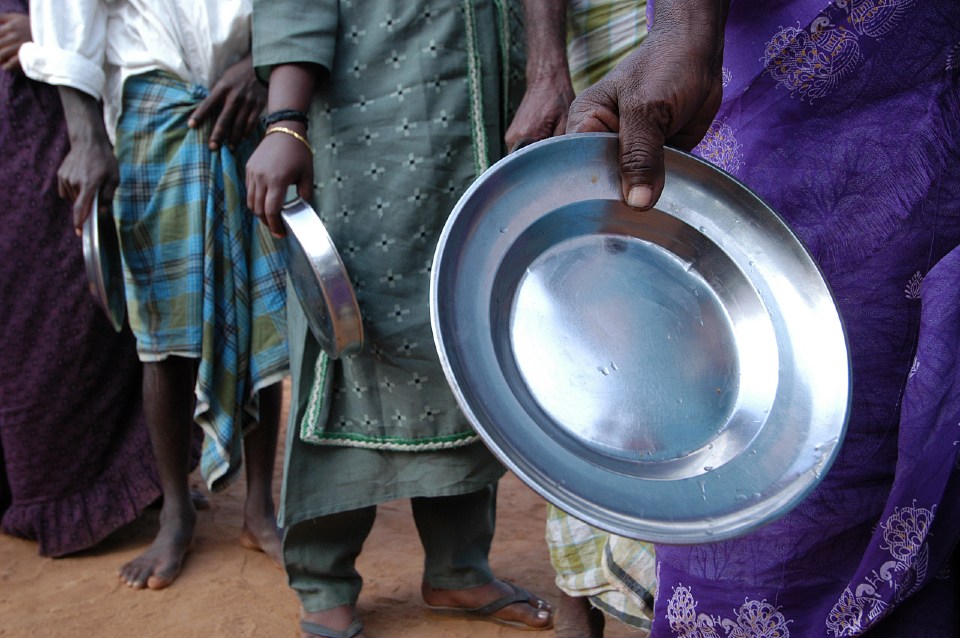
(321, 281)
(679, 375)
(101, 259)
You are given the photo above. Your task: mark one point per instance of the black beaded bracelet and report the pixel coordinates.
(287, 115)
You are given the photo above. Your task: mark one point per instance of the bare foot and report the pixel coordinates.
(160, 565)
(531, 612)
(577, 618)
(337, 619)
(263, 535)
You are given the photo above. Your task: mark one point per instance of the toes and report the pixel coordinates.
(130, 582)
(147, 573)
(534, 612)
(533, 616)
(133, 576)
(163, 574)
(161, 581)
(539, 603)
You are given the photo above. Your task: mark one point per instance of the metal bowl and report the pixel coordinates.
(321, 281)
(679, 375)
(102, 262)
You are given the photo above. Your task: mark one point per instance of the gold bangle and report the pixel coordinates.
(289, 131)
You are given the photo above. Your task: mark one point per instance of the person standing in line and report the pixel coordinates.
(204, 285)
(75, 458)
(805, 103)
(382, 114)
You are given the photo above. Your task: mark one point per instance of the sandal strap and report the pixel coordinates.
(315, 629)
(519, 595)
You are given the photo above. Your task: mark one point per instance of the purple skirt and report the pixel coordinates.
(75, 456)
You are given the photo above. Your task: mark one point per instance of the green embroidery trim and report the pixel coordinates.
(315, 404)
(395, 444)
(313, 422)
(480, 159)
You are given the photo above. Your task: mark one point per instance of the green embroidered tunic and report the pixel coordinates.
(414, 108)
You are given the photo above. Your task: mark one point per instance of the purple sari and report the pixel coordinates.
(845, 118)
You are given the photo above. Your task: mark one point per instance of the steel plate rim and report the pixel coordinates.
(669, 531)
(101, 268)
(307, 234)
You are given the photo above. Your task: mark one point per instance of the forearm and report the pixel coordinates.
(699, 23)
(545, 23)
(84, 117)
(543, 111)
(291, 89)
(292, 86)
(90, 166)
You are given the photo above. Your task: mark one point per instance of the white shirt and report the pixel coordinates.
(95, 45)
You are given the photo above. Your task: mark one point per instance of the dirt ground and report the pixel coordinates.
(226, 590)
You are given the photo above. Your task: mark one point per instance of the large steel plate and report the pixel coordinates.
(679, 375)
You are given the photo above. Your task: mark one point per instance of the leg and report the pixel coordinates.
(168, 387)
(259, 449)
(456, 532)
(320, 557)
(577, 618)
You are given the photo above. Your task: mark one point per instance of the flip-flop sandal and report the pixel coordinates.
(315, 629)
(519, 595)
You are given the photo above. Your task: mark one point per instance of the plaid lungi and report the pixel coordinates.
(203, 280)
(618, 575)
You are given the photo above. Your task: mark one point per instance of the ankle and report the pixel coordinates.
(178, 515)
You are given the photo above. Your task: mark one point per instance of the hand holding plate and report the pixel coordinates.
(90, 167)
(666, 92)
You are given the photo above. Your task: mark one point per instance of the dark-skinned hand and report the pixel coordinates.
(280, 160)
(666, 92)
(542, 112)
(14, 31)
(236, 102)
(89, 168)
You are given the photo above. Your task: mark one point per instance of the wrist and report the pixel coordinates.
(295, 130)
(297, 127)
(699, 24)
(287, 117)
(84, 118)
(88, 133)
(546, 69)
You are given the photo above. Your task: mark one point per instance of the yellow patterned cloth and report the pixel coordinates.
(602, 32)
(618, 575)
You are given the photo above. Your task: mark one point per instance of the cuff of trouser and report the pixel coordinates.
(315, 600)
(466, 580)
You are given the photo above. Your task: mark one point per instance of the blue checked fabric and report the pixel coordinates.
(203, 280)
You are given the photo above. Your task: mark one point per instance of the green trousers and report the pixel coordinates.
(456, 532)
